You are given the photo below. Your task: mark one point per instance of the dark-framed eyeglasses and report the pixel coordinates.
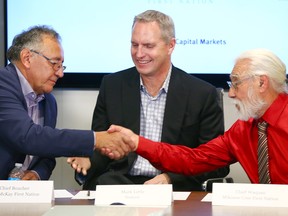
(57, 65)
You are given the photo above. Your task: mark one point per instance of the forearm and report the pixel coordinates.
(181, 159)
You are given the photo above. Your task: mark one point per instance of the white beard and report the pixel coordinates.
(251, 107)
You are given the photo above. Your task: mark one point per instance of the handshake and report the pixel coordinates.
(115, 143)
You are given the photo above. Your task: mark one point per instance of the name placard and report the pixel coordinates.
(134, 195)
(236, 194)
(26, 191)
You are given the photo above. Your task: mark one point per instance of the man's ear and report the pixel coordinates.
(263, 82)
(172, 45)
(25, 56)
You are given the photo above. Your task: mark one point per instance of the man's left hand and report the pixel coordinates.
(80, 164)
(159, 179)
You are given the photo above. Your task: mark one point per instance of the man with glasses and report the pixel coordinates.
(56, 64)
(259, 91)
(28, 111)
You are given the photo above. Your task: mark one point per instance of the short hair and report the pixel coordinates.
(265, 62)
(164, 21)
(31, 39)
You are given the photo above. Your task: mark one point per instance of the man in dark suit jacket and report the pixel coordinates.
(191, 112)
(27, 133)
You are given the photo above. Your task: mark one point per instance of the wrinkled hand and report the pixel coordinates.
(30, 175)
(114, 143)
(159, 179)
(129, 136)
(80, 164)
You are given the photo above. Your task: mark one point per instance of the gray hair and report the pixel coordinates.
(31, 39)
(164, 21)
(264, 62)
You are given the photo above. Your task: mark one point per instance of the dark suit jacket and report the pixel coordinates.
(19, 135)
(192, 116)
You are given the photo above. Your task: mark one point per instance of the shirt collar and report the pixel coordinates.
(165, 84)
(273, 113)
(27, 90)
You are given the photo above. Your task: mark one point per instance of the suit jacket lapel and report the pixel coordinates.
(131, 108)
(49, 111)
(175, 108)
(131, 101)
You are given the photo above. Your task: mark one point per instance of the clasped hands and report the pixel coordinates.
(115, 143)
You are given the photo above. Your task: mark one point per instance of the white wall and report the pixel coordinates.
(75, 109)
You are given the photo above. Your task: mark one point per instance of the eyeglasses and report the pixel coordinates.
(57, 65)
(235, 84)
